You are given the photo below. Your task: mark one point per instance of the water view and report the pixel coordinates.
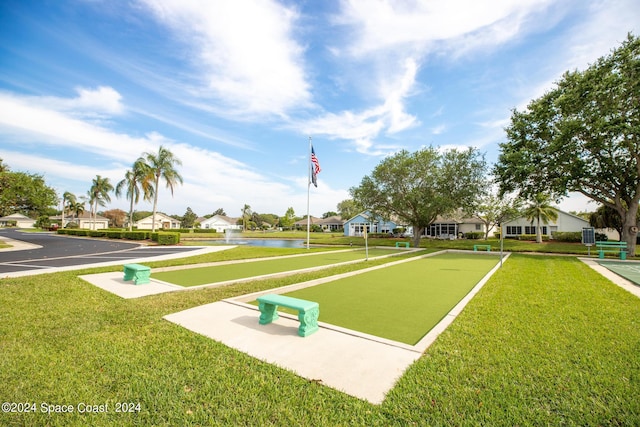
(272, 243)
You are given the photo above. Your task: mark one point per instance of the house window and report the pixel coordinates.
(514, 230)
(478, 227)
(532, 230)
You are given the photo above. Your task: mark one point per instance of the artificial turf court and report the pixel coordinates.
(628, 270)
(241, 270)
(401, 302)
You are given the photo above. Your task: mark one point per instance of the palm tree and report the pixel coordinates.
(99, 195)
(77, 208)
(137, 181)
(246, 212)
(162, 165)
(67, 200)
(539, 209)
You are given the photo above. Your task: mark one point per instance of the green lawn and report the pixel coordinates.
(401, 302)
(547, 341)
(221, 273)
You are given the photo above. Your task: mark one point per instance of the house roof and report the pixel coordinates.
(303, 221)
(83, 215)
(335, 219)
(159, 216)
(15, 217)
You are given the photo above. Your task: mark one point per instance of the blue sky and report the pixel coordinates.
(236, 88)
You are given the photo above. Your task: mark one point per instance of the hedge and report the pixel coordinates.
(166, 238)
(531, 237)
(474, 235)
(568, 236)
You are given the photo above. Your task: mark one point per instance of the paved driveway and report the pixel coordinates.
(48, 252)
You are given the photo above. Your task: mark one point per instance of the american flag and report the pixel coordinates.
(315, 167)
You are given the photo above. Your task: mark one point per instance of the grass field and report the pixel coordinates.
(401, 302)
(547, 341)
(220, 273)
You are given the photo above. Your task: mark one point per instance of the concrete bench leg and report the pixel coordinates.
(308, 321)
(142, 277)
(268, 313)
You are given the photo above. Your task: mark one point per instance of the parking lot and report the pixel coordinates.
(36, 253)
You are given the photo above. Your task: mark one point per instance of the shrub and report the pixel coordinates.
(568, 236)
(474, 235)
(532, 237)
(115, 234)
(164, 238)
(136, 235)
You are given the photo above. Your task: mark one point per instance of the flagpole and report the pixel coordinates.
(308, 193)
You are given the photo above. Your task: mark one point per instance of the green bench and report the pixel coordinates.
(308, 311)
(615, 247)
(405, 244)
(475, 247)
(140, 274)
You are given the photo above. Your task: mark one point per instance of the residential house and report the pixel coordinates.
(565, 222)
(84, 220)
(332, 223)
(376, 224)
(450, 228)
(17, 220)
(220, 223)
(302, 223)
(163, 222)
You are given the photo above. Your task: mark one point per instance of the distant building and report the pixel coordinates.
(84, 220)
(220, 223)
(355, 226)
(332, 223)
(163, 222)
(17, 220)
(565, 222)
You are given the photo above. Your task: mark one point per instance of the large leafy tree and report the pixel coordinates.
(348, 208)
(162, 165)
(99, 195)
(540, 210)
(417, 187)
(584, 136)
(138, 181)
(288, 219)
(24, 193)
(189, 218)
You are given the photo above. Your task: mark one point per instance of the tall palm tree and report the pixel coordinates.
(162, 165)
(246, 212)
(539, 209)
(68, 199)
(137, 181)
(99, 195)
(77, 208)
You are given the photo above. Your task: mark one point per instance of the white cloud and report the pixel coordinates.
(246, 51)
(362, 128)
(211, 180)
(380, 25)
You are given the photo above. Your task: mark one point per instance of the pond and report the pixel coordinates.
(272, 243)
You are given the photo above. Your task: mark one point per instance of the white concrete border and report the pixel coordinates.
(618, 280)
